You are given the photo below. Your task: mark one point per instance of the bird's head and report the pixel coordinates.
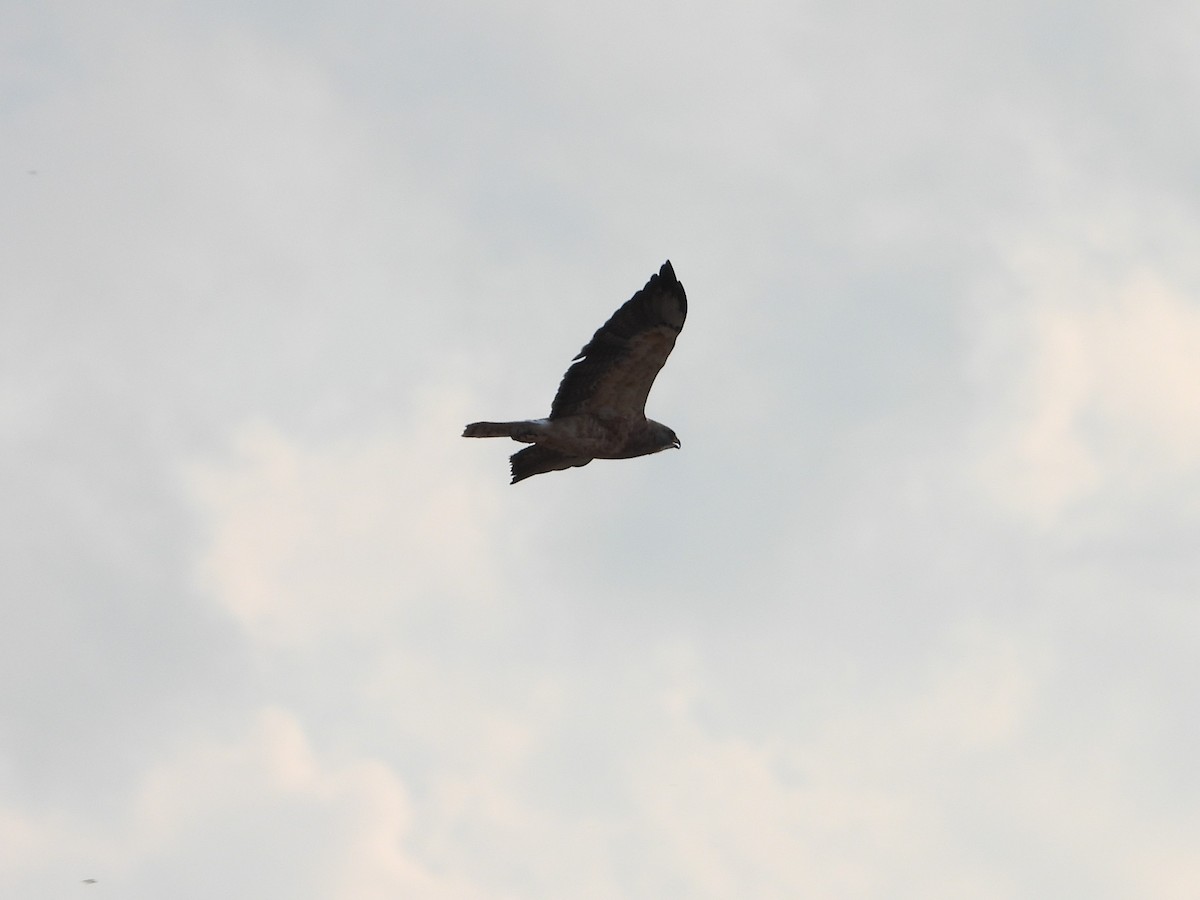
(664, 438)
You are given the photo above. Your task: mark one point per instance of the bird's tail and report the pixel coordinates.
(518, 431)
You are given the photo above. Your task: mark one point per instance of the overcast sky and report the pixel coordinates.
(915, 611)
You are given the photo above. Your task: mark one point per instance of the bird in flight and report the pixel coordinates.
(600, 409)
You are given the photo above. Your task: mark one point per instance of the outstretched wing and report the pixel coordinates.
(614, 372)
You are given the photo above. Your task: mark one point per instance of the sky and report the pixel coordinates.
(913, 613)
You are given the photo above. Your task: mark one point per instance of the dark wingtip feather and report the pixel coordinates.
(518, 471)
(527, 462)
(538, 459)
(667, 274)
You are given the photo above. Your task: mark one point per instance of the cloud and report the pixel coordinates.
(333, 829)
(309, 541)
(275, 629)
(256, 813)
(1102, 401)
(958, 780)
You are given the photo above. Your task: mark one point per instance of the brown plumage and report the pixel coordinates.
(600, 409)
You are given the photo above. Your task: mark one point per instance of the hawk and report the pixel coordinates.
(600, 409)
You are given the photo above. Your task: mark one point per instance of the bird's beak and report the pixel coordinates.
(677, 445)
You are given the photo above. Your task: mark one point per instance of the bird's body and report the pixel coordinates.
(599, 411)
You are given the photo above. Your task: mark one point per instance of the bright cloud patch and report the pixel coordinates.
(345, 826)
(1106, 401)
(341, 538)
